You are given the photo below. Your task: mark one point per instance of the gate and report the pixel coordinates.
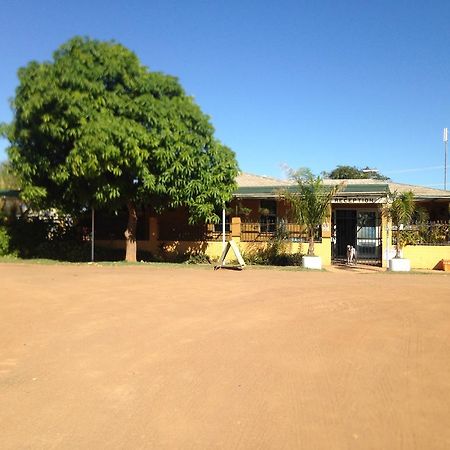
(359, 228)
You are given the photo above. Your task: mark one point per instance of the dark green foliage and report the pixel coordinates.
(93, 127)
(42, 237)
(5, 241)
(275, 253)
(353, 172)
(426, 233)
(198, 258)
(62, 240)
(27, 235)
(270, 257)
(401, 209)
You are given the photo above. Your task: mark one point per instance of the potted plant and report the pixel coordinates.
(310, 205)
(400, 209)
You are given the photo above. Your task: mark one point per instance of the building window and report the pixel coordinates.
(268, 216)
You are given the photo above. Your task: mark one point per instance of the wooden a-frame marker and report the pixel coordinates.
(221, 264)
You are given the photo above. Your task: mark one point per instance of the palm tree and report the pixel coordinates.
(400, 209)
(310, 201)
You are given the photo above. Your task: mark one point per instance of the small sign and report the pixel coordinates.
(231, 244)
(353, 200)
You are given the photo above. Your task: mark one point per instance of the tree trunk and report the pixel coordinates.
(398, 246)
(311, 243)
(130, 233)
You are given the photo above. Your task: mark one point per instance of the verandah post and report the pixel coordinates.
(236, 229)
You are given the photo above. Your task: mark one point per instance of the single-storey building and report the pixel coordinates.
(258, 213)
(10, 203)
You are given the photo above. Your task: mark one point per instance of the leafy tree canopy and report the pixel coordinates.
(353, 172)
(94, 127)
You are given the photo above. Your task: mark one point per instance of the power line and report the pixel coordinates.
(418, 169)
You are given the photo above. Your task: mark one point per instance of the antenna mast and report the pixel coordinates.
(445, 157)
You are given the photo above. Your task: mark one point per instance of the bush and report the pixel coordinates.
(4, 241)
(63, 251)
(272, 257)
(27, 235)
(198, 258)
(275, 253)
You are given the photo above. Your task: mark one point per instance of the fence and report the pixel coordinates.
(249, 232)
(257, 232)
(193, 233)
(426, 233)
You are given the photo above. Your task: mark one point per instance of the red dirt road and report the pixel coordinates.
(180, 358)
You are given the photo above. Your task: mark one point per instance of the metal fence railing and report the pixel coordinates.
(193, 233)
(259, 232)
(425, 233)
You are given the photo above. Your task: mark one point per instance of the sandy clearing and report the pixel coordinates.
(165, 358)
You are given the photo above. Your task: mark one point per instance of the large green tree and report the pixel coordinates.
(93, 127)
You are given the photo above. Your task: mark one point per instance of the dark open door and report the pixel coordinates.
(362, 230)
(345, 232)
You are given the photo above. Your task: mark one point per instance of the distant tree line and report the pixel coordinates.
(353, 172)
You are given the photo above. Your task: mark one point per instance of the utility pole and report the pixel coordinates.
(445, 157)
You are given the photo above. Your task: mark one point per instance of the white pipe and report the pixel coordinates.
(92, 234)
(223, 229)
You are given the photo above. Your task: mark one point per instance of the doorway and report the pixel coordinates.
(360, 228)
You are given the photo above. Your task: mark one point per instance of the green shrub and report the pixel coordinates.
(198, 258)
(275, 253)
(271, 256)
(4, 241)
(27, 234)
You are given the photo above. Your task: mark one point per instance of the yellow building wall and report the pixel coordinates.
(421, 256)
(426, 256)
(214, 249)
(322, 249)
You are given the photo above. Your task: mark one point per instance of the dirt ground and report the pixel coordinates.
(188, 358)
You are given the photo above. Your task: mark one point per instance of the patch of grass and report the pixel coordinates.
(43, 261)
(18, 260)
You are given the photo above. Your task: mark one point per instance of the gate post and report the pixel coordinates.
(236, 229)
(326, 243)
(386, 240)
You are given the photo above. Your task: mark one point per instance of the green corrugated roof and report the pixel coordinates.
(366, 188)
(9, 193)
(349, 189)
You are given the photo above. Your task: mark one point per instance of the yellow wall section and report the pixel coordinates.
(426, 256)
(421, 256)
(214, 248)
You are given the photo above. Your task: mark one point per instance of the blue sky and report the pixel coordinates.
(302, 83)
